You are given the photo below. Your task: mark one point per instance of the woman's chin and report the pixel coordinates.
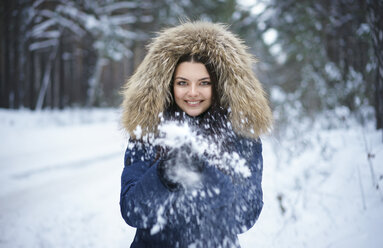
(193, 112)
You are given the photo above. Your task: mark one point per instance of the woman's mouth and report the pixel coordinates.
(193, 103)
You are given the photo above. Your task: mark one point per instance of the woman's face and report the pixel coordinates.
(192, 88)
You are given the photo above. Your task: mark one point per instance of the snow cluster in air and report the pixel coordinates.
(176, 135)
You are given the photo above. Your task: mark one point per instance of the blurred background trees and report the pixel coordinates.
(328, 53)
(314, 55)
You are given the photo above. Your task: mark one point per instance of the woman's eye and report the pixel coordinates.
(181, 83)
(205, 83)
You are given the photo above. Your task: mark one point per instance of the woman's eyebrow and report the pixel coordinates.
(205, 78)
(182, 78)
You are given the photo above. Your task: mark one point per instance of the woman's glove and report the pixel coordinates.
(180, 167)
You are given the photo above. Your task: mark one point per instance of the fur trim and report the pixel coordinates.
(147, 92)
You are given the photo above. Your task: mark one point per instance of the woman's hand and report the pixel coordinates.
(180, 167)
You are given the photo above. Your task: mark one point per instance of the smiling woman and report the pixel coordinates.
(193, 166)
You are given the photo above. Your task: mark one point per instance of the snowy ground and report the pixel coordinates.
(60, 182)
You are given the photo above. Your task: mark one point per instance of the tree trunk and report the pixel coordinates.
(16, 57)
(61, 77)
(46, 78)
(375, 17)
(5, 89)
(31, 79)
(94, 82)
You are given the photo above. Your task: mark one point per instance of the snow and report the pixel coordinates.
(332, 71)
(43, 44)
(65, 22)
(175, 135)
(123, 19)
(256, 6)
(270, 36)
(42, 27)
(111, 39)
(60, 182)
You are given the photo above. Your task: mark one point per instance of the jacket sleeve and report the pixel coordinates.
(143, 198)
(240, 202)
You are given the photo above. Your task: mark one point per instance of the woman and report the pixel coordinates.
(193, 167)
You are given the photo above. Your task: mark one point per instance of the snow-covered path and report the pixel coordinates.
(60, 183)
(75, 209)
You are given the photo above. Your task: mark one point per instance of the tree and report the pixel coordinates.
(101, 21)
(375, 18)
(77, 53)
(324, 52)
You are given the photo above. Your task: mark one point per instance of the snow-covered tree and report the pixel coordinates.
(58, 53)
(324, 52)
(105, 22)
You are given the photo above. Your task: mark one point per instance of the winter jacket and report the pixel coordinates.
(222, 204)
(207, 216)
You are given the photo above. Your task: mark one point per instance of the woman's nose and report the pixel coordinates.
(193, 91)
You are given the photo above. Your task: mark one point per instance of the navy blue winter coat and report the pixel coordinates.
(207, 216)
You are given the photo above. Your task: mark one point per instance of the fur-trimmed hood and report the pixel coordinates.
(147, 91)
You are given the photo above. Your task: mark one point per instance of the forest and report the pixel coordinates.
(56, 54)
(62, 66)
